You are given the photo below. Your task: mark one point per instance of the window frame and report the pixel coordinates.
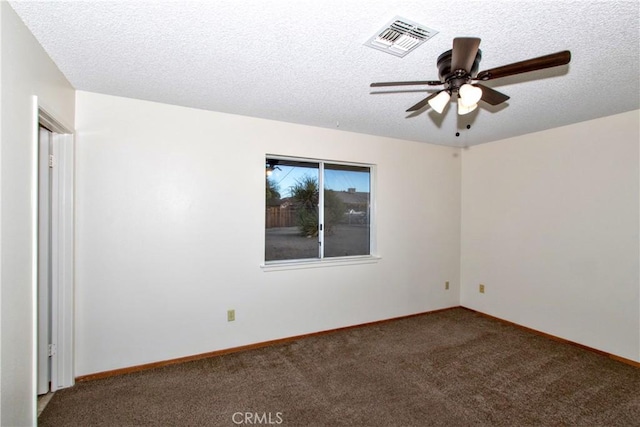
(322, 260)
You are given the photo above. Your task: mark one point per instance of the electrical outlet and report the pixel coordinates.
(231, 315)
(446, 285)
(481, 288)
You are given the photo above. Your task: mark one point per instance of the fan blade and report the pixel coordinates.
(492, 96)
(464, 53)
(422, 103)
(427, 82)
(540, 63)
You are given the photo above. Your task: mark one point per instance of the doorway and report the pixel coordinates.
(53, 243)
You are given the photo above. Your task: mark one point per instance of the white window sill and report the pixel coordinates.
(318, 263)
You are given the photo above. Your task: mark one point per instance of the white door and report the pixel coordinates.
(45, 142)
(53, 226)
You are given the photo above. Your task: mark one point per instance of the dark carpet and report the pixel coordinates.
(449, 368)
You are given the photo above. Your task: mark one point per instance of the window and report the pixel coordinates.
(303, 223)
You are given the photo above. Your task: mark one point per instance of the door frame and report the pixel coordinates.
(62, 245)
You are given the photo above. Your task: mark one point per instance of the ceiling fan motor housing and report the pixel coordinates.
(453, 78)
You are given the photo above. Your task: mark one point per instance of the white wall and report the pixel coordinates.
(550, 225)
(26, 70)
(170, 233)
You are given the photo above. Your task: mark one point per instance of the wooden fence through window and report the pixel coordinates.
(280, 217)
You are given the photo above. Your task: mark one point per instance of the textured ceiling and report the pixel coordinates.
(304, 61)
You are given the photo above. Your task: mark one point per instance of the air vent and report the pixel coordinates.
(400, 36)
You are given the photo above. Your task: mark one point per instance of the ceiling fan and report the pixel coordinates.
(458, 71)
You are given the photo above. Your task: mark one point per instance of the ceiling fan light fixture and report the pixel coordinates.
(440, 101)
(456, 68)
(465, 109)
(469, 95)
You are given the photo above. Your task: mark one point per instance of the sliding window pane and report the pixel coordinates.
(291, 210)
(347, 197)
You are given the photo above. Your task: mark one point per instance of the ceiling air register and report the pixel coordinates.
(400, 36)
